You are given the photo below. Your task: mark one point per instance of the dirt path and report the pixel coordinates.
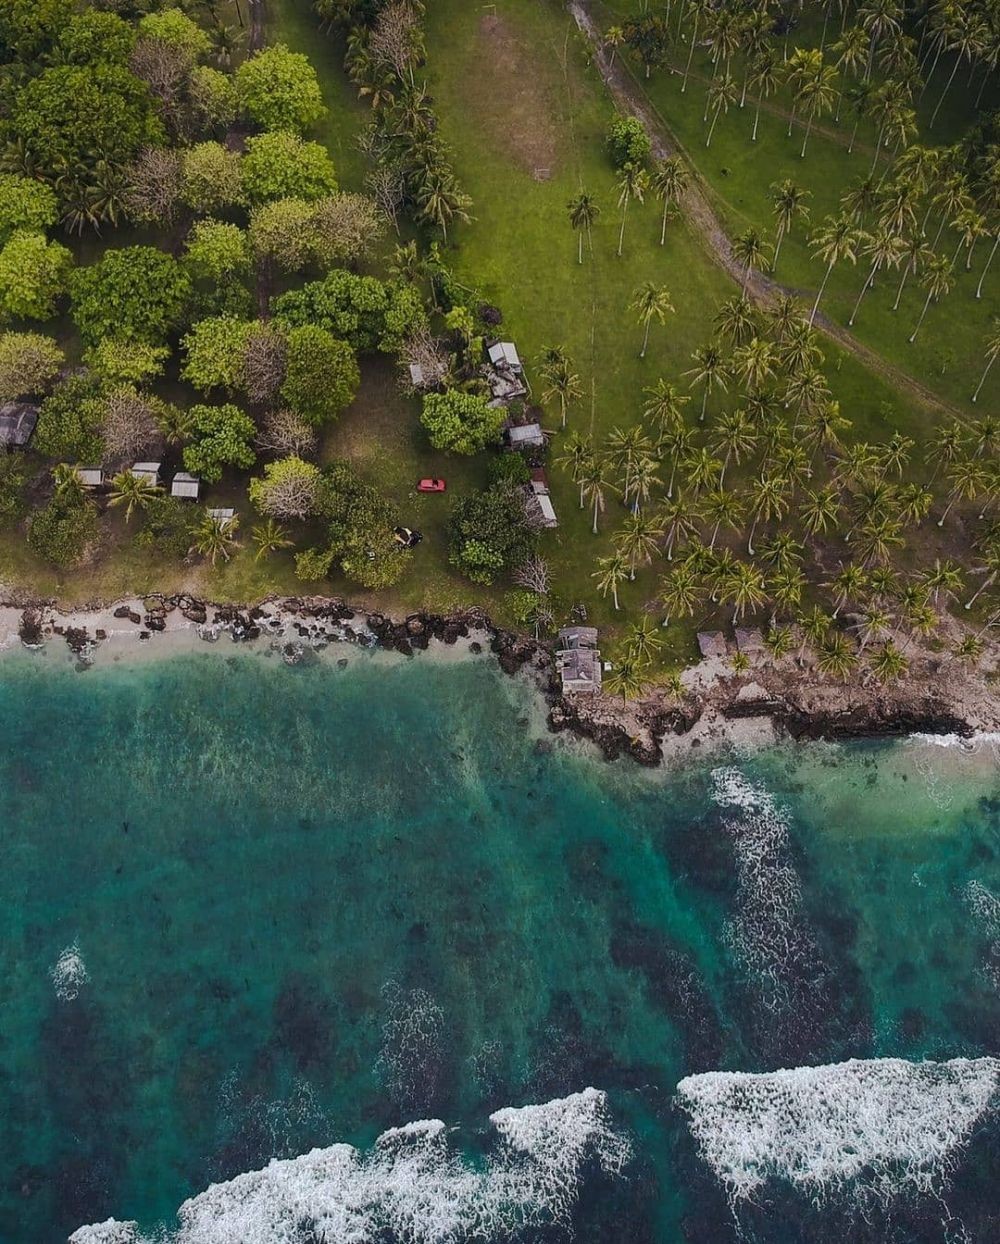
(630, 97)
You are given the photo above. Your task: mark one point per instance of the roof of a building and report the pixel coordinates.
(224, 513)
(526, 434)
(580, 669)
(504, 354)
(90, 477)
(544, 503)
(17, 423)
(503, 386)
(149, 471)
(416, 375)
(578, 636)
(712, 643)
(185, 485)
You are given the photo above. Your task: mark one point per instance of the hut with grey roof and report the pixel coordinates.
(17, 424)
(185, 486)
(90, 477)
(223, 515)
(149, 471)
(578, 660)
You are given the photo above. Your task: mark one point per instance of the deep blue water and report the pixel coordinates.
(314, 903)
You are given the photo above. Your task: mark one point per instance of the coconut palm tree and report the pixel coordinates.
(561, 382)
(132, 491)
(944, 577)
(734, 439)
(860, 97)
(638, 540)
(836, 657)
(860, 199)
(968, 477)
(644, 480)
(736, 320)
(778, 641)
(937, 281)
(722, 94)
(664, 407)
(815, 626)
(992, 352)
(895, 454)
(680, 591)
(873, 624)
(670, 179)
(945, 446)
(610, 574)
(269, 537)
(633, 182)
(440, 201)
(625, 449)
(583, 212)
(914, 502)
(67, 484)
(650, 302)
(626, 680)
(820, 510)
(215, 537)
(896, 210)
(680, 517)
(700, 9)
(764, 79)
(576, 458)
(888, 664)
(746, 588)
(614, 37)
(970, 226)
(748, 249)
(952, 199)
(595, 483)
(701, 469)
(823, 427)
(768, 502)
(966, 37)
(847, 585)
(709, 370)
(990, 568)
(755, 363)
(676, 445)
(885, 249)
(785, 315)
(642, 641)
(916, 252)
(837, 240)
(989, 260)
(816, 94)
(786, 591)
(788, 204)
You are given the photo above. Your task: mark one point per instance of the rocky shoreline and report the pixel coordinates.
(717, 708)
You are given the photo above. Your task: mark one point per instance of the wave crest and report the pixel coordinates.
(411, 1184)
(883, 1124)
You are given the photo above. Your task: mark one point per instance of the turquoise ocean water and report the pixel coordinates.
(246, 910)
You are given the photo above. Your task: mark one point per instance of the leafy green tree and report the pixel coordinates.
(278, 89)
(282, 232)
(280, 165)
(167, 526)
(33, 275)
(29, 27)
(216, 352)
(211, 177)
(221, 436)
(61, 531)
(134, 292)
(175, 27)
(489, 533)
(321, 374)
(461, 423)
(29, 363)
(126, 362)
(215, 250)
(70, 422)
(25, 204)
(367, 313)
(312, 565)
(213, 98)
(95, 37)
(628, 141)
(289, 489)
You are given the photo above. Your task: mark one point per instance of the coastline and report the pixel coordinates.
(719, 710)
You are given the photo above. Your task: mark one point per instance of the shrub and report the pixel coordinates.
(134, 293)
(25, 204)
(509, 468)
(29, 363)
(628, 141)
(62, 530)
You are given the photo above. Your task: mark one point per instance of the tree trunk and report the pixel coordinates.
(947, 511)
(878, 148)
(621, 235)
(579, 249)
(864, 290)
(987, 583)
(704, 403)
(614, 595)
(989, 261)
(756, 122)
(899, 292)
(791, 121)
(711, 131)
(753, 532)
(819, 295)
(854, 134)
(694, 40)
(663, 225)
(595, 516)
(927, 303)
(982, 379)
(802, 153)
(930, 124)
(777, 248)
(645, 341)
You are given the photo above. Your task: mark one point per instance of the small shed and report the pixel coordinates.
(544, 503)
(578, 660)
(223, 515)
(712, 644)
(539, 480)
(17, 424)
(416, 375)
(185, 486)
(90, 477)
(149, 471)
(525, 435)
(504, 354)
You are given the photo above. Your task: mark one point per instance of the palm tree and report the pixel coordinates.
(735, 319)
(847, 585)
(788, 202)
(953, 198)
(132, 491)
(968, 477)
(610, 574)
(786, 591)
(764, 79)
(860, 97)
(768, 501)
(745, 587)
(664, 406)
(989, 261)
(836, 241)
(576, 458)
(644, 479)
(626, 680)
(440, 201)
(885, 250)
(945, 577)
(561, 382)
(820, 510)
(68, 486)
(888, 664)
(670, 179)
(824, 424)
(895, 454)
(650, 302)
(642, 641)
(700, 8)
(836, 657)
(937, 280)
(722, 94)
(915, 253)
(721, 506)
(755, 363)
(969, 648)
(873, 623)
(680, 591)
(914, 502)
(639, 539)
(676, 445)
(816, 94)
(709, 370)
(778, 641)
(614, 37)
(701, 469)
(594, 483)
(970, 226)
(992, 351)
(680, 519)
(945, 446)
(633, 182)
(965, 38)
(216, 537)
(626, 448)
(734, 439)
(583, 211)
(815, 626)
(269, 537)
(991, 569)
(748, 249)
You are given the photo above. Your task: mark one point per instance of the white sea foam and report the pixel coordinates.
(411, 1185)
(965, 742)
(69, 974)
(412, 1036)
(985, 908)
(766, 929)
(882, 1125)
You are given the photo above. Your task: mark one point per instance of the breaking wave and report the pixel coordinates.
(69, 974)
(985, 908)
(411, 1185)
(881, 1125)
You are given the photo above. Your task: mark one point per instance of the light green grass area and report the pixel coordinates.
(948, 353)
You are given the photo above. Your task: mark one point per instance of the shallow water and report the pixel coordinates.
(246, 910)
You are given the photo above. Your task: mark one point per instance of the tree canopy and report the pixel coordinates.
(133, 292)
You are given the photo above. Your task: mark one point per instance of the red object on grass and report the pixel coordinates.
(431, 485)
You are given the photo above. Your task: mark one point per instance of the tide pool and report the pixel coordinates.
(247, 910)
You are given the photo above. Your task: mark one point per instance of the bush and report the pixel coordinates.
(62, 530)
(278, 89)
(461, 423)
(281, 166)
(70, 422)
(321, 374)
(168, 526)
(135, 293)
(489, 533)
(33, 274)
(12, 481)
(222, 436)
(628, 141)
(509, 469)
(29, 363)
(288, 489)
(25, 204)
(313, 564)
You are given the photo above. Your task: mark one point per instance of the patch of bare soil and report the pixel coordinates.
(517, 113)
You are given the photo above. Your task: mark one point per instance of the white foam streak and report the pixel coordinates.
(411, 1184)
(882, 1124)
(69, 974)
